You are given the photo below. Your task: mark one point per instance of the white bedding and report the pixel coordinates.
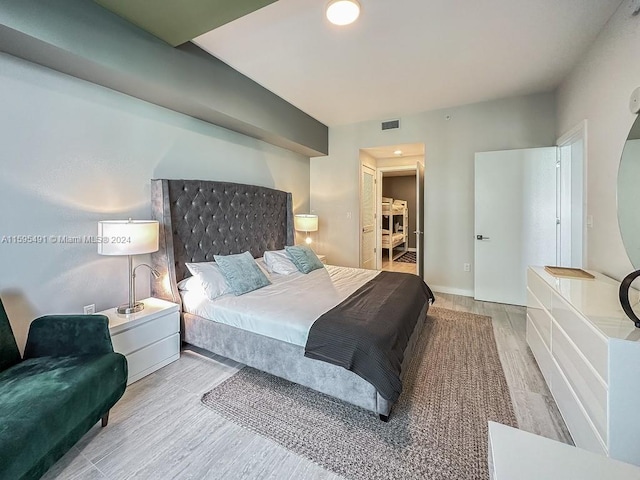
(286, 309)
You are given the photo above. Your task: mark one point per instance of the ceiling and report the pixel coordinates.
(388, 151)
(408, 56)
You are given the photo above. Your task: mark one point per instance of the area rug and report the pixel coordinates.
(437, 430)
(408, 257)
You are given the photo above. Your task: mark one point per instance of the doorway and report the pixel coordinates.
(398, 220)
(399, 208)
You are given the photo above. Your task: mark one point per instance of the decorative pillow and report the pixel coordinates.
(209, 276)
(241, 272)
(304, 258)
(277, 261)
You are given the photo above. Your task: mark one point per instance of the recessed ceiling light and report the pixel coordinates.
(398, 152)
(343, 12)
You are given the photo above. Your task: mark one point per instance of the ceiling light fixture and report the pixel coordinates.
(343, 12)
(398, 152)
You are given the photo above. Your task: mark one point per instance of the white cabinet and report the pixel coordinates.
(150, 338)
(518, 455)
(589, 354)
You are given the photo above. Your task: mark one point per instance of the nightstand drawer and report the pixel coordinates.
(129, 341)
(152, 357)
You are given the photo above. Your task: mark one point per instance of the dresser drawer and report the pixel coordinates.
(587, 340)
(583, 433)
(584, 381)
(140, 336)
(539, 350)
(152, 357)
(540, 289)
(539, 317)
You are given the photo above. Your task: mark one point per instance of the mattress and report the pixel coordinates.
(286, 309)
(389, 239)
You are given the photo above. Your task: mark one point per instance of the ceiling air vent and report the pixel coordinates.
(391, 124)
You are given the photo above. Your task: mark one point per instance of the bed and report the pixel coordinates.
(200, 219)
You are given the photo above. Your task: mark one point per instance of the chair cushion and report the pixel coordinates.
(9, 353)
(47, 404)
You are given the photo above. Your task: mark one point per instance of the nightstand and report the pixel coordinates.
(322, 258)
(150, 338)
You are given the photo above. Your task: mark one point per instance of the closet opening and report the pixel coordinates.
(392, 208)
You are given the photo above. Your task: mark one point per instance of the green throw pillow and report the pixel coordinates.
(241, 272)
(304, 258)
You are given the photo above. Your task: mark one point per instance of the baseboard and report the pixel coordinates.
(452, 291)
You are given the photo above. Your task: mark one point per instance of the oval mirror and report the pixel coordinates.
(629, 194)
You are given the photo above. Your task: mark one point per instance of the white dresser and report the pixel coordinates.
(150, 338)
(589, 353)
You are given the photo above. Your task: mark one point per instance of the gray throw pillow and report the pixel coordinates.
(304, 258)
(241, 272)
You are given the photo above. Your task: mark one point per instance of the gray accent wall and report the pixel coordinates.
(83, 39)
(74, 153)
(403, 188)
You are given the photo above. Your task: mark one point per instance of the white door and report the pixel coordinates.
(368, 218)
(420, 219)
(515, 220)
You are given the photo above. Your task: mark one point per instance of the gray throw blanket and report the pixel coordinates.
(368, 332)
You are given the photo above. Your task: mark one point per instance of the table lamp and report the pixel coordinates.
(129, 237)
(306, 223)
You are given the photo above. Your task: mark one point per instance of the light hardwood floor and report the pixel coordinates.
(160, 430)
(399, 267)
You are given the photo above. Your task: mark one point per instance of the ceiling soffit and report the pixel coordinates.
(177, 22)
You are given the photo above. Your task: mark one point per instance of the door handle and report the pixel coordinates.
(482, 237)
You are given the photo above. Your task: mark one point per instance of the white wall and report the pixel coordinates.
(527, 121)
(74, 153)
(598, 89)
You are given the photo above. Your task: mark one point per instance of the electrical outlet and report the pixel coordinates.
(89, 309)
(467, 267)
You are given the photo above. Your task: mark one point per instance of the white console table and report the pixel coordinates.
(589, 354)
(518, 455)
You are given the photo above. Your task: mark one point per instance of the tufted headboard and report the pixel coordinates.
(200, 219)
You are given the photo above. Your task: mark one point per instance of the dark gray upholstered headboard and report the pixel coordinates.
(200, 219)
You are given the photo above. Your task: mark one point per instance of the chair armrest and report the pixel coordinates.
(63, 335)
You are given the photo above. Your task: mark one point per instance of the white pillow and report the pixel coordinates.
(210, 277)
(277, 261)
(191, 284)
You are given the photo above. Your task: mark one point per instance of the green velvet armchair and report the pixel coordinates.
(69, 379)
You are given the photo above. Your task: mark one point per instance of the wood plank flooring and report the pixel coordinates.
(160, 430)
(399, 267)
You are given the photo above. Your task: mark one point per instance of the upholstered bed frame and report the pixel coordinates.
(199, 219)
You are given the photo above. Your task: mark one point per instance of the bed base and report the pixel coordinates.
(287, 361)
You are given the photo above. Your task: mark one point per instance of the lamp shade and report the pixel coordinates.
(127, 237)
(305, 223)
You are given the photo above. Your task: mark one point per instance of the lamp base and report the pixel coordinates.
(127, 309)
